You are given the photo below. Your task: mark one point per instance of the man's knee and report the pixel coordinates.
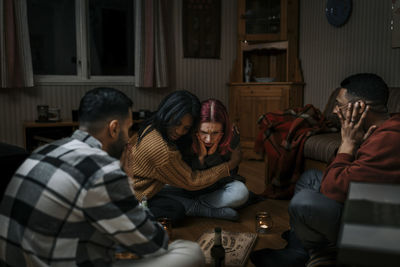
(190, 253)
(301, 202)
(310, 179)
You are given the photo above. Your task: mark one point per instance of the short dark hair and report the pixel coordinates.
(101, 103)
(367, 86)
(170, 112)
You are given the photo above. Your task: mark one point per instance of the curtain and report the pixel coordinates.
(15, 54)
(150, 44)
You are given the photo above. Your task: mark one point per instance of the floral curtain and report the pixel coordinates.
(150, 44)
(15, 54)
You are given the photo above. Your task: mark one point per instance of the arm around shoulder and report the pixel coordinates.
(177, 173)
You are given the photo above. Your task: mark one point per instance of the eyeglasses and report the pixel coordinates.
(341, 106)
(346, 105)
(212, 135)
(377, 107)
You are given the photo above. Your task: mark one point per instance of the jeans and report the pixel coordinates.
(314, 218)
(229, 195)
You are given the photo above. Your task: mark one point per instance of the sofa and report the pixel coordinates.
(11, 157)
(320, 149)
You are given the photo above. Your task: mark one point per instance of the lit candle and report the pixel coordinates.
(263, 222)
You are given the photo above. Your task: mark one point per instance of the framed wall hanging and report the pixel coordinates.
(201, 28)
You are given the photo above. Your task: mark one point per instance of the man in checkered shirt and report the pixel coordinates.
(71, 204)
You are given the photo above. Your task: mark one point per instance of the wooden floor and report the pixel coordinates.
(193, 227)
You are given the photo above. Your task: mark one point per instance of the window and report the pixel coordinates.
(82, 41)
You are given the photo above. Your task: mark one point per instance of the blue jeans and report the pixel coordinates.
(314, 218)
(230, 195)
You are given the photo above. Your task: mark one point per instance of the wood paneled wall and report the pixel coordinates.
(327, 55)
(330, 54)
(204, 77)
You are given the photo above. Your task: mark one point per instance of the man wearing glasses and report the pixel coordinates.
(368, 153)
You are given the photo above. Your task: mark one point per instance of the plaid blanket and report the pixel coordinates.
(281, 137)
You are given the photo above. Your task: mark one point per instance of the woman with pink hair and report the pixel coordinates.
(214, 139)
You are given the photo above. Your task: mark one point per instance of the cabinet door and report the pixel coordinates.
(262, 20)
(254, 102)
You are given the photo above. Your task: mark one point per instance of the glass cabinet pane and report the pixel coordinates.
(263, 16)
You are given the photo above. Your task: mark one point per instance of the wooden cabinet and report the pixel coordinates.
(266, 20)
(266, 75)
(251, 100)
(268, 34)
(40, 133)
(276, 61)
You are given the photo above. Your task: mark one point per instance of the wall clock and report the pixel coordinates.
(338, 11)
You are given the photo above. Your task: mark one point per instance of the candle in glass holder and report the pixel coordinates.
(264, 222)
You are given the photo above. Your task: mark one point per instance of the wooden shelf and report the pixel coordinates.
(272, 55)
(50, 124)
(246, 46)
(40, 133)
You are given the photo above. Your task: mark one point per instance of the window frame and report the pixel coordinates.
(83, 76)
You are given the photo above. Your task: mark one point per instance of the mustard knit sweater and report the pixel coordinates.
(153, 163)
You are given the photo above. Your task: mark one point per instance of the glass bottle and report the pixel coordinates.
(217, 250)
(144, 202)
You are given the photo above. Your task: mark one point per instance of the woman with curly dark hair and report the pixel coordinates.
(155, 161)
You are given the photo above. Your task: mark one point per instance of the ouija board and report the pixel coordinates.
(237, 246)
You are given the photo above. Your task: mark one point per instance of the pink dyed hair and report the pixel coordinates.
(212, 110)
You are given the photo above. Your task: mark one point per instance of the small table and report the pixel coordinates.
(39, 133)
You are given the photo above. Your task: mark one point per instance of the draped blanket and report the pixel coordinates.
(281, 138)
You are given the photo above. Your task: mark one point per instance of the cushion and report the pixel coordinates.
(11, 157)
(322, 147)
(370, 231)
(328, 111)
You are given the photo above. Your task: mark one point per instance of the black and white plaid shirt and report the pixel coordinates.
(70, 204)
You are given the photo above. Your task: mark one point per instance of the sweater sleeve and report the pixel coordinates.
(177, 173)
(376, 161)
